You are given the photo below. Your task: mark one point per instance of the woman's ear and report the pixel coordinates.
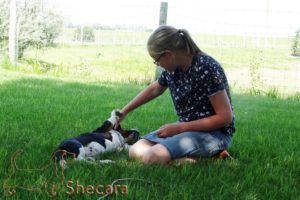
(169, 53)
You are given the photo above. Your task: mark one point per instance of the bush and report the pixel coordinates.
(256, 81)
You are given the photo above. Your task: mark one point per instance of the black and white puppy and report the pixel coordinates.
(87, 146)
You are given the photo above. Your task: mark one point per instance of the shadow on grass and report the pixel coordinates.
(37, 114)
(43, 107)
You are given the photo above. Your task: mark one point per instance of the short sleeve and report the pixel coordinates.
(162, 80)
(213, 76)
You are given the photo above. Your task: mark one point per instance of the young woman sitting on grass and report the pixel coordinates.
(201, 97)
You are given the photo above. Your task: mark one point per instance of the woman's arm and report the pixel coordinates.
(152, 91)
(223, 116)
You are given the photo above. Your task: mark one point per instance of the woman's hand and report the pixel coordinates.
(169, 130)
(123, 115)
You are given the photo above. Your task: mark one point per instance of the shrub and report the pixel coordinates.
(256, 81)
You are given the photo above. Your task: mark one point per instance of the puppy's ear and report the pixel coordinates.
(67, 148)
(58, 155)
(133, 136)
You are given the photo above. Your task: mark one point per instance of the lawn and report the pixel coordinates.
(38, 112)
(99, 56)
(267, 69)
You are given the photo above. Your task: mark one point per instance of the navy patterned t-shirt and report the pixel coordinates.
(190, 89)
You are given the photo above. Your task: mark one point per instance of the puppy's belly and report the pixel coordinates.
(111, 146)
(93, 149)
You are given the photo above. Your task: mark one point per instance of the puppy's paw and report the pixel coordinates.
(116, 112)
(103, 162)
(115, 116)
(92, 159)
(127, 147)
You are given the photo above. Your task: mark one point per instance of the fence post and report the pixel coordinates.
(81, 34)
(162, 21)
(163, 13)
(13, 37)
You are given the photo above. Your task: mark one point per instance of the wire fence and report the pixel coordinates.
(259, 24)
(278, 69)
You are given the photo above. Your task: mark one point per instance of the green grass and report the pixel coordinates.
(132, 64)
(37, 113)
(243, 58)
(136, 57)
(233, 51)
(113, 63)
(140, 37)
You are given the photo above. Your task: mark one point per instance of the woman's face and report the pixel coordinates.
(166, 60)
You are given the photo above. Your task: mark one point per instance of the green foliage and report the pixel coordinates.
(273, 93)
(87, 34)
(5, 63)
(295, 97)
(296, 44)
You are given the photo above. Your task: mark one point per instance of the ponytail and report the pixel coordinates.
(170, 38)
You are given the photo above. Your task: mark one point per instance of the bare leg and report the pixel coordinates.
(182, 161)
(157, 154)
(138, 149)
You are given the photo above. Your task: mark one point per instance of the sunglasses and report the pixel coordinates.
(156, 62)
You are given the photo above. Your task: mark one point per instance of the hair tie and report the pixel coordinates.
(180, 32)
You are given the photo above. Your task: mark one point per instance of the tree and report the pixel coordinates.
(13, 34)
(4, 15)
(37, 25)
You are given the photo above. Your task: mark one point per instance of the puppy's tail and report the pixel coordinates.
(58, 155)
(68, 148)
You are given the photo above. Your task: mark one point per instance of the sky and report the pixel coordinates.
(238, 17)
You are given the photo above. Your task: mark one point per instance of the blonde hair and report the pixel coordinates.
(170, 38)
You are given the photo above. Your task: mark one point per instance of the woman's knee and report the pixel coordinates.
(138, 149)
(158, 154)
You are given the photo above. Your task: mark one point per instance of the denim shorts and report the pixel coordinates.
(193, 144)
